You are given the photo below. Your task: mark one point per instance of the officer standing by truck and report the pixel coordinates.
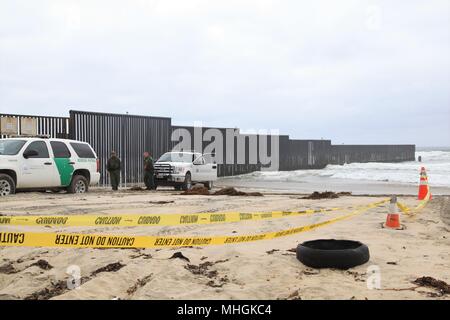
(113, 166)
(149, 172)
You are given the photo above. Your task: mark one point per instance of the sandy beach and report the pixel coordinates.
(259, 270)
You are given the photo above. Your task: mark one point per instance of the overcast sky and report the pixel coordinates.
(351, 71)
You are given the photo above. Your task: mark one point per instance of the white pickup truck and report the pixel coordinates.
(182, 169)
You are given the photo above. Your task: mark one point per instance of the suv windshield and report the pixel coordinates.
(177, 157)
(10, 147)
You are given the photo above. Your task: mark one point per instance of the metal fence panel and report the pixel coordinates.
(55, 127)
(130, 136)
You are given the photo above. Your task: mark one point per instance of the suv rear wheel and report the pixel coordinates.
(7, 185)
(79, 184)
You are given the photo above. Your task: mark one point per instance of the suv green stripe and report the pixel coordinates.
(65, 170)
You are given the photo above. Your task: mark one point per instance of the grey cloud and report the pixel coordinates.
(351, 71)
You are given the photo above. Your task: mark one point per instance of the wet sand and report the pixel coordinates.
(311, 184)
(259, 270)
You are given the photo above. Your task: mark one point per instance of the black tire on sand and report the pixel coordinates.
(337, 254)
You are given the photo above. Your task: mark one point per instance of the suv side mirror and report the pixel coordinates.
(30, 153)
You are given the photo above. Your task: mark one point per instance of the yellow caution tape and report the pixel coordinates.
(413, 211)
(67, 240)
(150, 220)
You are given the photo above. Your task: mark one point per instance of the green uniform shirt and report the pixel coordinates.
(148, 164)
(113, 164)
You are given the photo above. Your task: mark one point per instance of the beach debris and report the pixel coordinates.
(43, 264)
(311, 272)
(179, 255)
(203, 268)
(47, 293)
(161, 202)
(221, 261)
(221, 282)
(323, 195)
(431, 282)
(142, 254)
(288, 254)
(8, 268)
(272, 251)
(359, 277)
(230, 191)
(112, 267)
(56, 289)
(139, 284)
(392, 263)
(294, 296)
(196, 190)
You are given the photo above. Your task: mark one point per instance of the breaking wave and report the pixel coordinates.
(437, 164)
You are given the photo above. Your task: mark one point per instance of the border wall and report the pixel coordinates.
(55, 127)
(228, 162)
(131, 135)
(341, 154)
(128, 135)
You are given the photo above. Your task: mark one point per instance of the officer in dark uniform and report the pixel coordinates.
(149, 172)
(113, 166)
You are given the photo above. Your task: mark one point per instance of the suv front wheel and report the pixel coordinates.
(7, 185)
(79, 184)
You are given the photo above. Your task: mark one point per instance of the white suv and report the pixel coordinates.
(182, 169)
(47, 164)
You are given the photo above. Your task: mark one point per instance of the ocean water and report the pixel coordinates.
(436, 162)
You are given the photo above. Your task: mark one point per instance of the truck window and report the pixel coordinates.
(60, 149)
(83, 150)
(40, 147)
(11, 147)
(176, 157)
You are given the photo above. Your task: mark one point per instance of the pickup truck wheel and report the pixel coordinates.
(7, 185)
(187, 182)
(79, 184)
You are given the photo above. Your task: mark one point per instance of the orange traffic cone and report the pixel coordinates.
(424, 188)
(393, 217)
